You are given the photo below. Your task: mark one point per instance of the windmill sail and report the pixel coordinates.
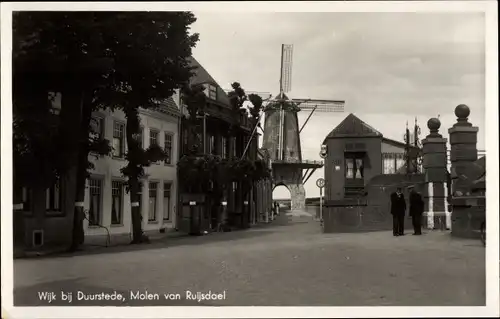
(286, 68)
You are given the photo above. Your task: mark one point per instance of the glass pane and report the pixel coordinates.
(349, 173)
(116, 210)
(153, 137)
(389, 165)
(152, 209)
(400, 163)
(166, 208)
(94, 210)
(117, 146)
(359, 168)
(166, 189)
(57, 198)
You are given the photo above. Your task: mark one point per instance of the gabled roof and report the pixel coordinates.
(352, 126)
(169, 107)
(201, 76)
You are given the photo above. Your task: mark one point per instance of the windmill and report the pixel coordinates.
(282, 133)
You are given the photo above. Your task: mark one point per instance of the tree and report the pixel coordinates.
(113, 60)
(256, 107)
(151, 61)
(196, 101)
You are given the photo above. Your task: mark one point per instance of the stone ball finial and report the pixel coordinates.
(462, 112)
(434, 124)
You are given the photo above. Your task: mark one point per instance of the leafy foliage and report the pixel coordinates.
(237, 97)
(195, 100)
(256, 107)
(139, 158)
(117, 59)
(34, 151)
(197, 172)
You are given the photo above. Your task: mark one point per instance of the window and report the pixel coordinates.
(400, 162)
(168, 148)
(97, 128)
(225, 147)
(95, 193)
(211, 144)
(354, 166)
(185, 141)
(392, 162)
(140, 138)
(389, 165)
(211, 91)
(166, 200)
(118, 139)
(53, 203)
(116, 203)
(233, 142)
(153, 137)
(27, 195)
(153, 190)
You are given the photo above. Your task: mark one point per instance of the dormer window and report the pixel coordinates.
(210, 91)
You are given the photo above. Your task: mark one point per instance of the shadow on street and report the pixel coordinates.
(258, 230)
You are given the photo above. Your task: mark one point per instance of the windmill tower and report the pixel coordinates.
(282, 133)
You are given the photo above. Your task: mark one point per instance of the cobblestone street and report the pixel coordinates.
(284, 264)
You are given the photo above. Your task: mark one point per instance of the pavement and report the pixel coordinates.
(287, 263)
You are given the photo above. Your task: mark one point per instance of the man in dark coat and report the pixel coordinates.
(416, 210)
(398, 209)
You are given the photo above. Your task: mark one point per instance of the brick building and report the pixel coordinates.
(219, 117)
(356, 152)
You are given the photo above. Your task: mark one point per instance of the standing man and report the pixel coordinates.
(416, 210)
(398, 209)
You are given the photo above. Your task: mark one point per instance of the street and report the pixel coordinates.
(283, 264)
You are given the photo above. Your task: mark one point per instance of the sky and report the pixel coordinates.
(388, 67)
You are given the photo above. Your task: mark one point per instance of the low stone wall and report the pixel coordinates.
(370, 212)
(355, 217)
(468, 214)
(56, 231)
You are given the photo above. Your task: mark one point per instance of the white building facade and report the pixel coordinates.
(107, 203)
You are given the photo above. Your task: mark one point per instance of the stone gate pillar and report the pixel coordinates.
(436, 177)
(463, 140)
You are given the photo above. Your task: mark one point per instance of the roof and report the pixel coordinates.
(169, 107)
(201, 76)
(397, 143)
(352, 126)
